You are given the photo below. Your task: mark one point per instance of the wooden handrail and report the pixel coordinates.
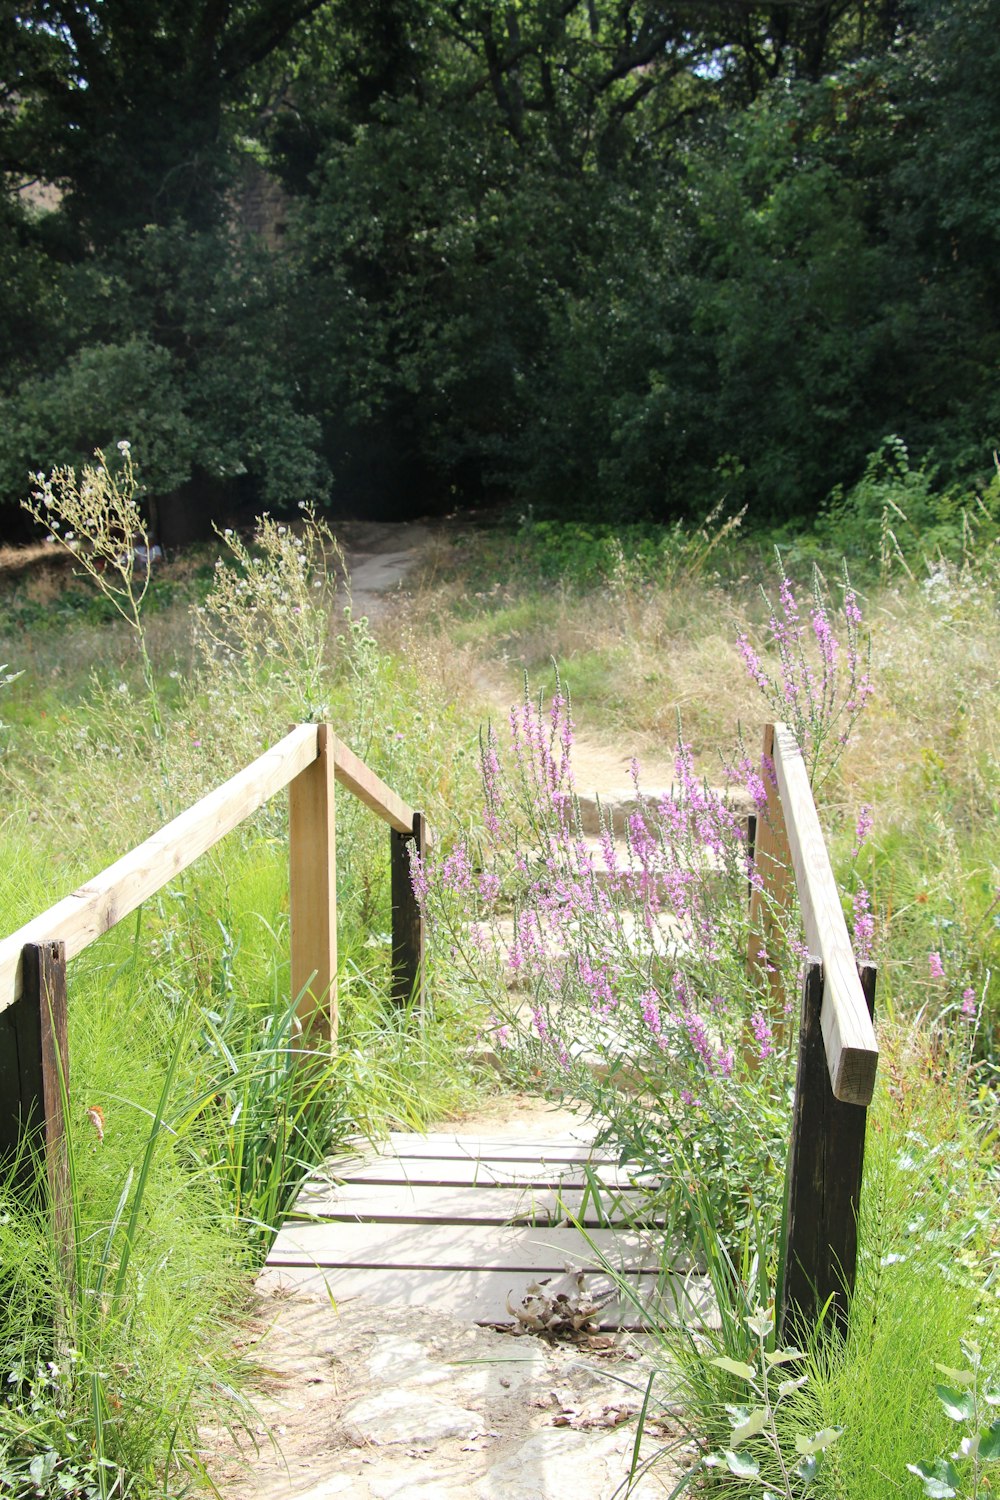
(848, 1033)
(353, 774)
(102, 902)
(34, 1056)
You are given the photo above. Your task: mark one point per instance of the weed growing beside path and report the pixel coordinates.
(655, 1022)
(190, 1126)
(192, 1111)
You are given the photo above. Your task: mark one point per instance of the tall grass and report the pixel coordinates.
(194, 1105)
(181, 1031)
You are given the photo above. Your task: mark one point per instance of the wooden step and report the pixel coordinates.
(394, 1203)
(487, 1297)
(466, 1247)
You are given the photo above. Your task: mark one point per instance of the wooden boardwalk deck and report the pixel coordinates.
(470, 1223)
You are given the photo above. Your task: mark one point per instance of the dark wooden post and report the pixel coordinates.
(407, 918)
(33, 1054)
(824, 1176)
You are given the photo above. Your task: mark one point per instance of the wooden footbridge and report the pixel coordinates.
(488, 1225)
(502, 1228)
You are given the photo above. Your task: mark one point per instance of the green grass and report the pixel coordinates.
(200, 1001)
(182, 1038)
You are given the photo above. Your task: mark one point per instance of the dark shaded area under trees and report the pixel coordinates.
(607, 259)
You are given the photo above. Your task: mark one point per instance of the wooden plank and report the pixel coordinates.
(482, 1296)
(353, 774)
(495, 1148)
(823, 1190)
(102, 902)
(848, 1034)
(312, 856)
(472, 1247)
(407, 918)
(392, 1204)
(471, 1172)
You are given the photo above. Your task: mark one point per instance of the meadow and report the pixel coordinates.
(190, 1122)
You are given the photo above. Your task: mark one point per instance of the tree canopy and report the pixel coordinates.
(620, 257)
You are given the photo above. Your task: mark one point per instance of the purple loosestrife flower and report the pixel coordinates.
(753, 664)
(418, 878)
(864, 925)
(969, 1003)
(935, 966)
(456, 870)
(489, 886)
(761, 1028)
(650, 1006)
(595, 978)
(826, 640)
(862, 829)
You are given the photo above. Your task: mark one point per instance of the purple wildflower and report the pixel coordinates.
(761, 1028)
(935, 966)
(864, 924)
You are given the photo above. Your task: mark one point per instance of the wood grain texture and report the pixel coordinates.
(353, 774)
(470, 1172)
(102, 902)
(392, 1203)
(463, 1247)
(823, 1189)
(312, 899)
(497, 1148)
(848, 1034)
(482, 1296)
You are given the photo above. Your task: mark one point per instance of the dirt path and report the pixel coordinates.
(380, 555)
(373, 1403)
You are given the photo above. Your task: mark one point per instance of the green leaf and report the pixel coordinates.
(733, 1367)
(956, 1377)
(788, 1386)
(818, 1441)
(784, 1356)
(755, 1422)
(989, 1443)
(959, 1404)
(939, 1478)
(807, 1468)
(761, 1323)
(741, 1464)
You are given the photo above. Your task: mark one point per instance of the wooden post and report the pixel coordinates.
(823, 1190)
(312, 856)
(34, 1052)
(407, 918)
(770, 903)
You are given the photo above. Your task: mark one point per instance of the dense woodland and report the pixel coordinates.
(602, 257)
